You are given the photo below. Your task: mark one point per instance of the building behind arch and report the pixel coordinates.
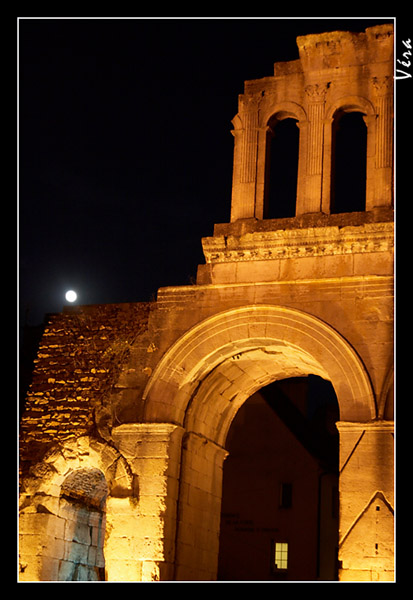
(140, 397)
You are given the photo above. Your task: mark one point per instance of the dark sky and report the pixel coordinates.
(125, 146)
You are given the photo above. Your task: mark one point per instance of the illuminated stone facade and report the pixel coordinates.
(123, 437)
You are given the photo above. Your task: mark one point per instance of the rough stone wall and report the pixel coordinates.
(79, 360)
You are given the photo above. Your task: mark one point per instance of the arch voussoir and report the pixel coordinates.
(289, 340)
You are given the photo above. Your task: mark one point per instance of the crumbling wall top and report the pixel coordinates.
(335, 49)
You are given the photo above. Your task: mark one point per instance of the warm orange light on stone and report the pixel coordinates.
(123, 437)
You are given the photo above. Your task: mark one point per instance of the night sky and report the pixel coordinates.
(125, 147)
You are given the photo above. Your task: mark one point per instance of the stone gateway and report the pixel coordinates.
(241, 427)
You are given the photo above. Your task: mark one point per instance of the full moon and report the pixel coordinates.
(71, 296)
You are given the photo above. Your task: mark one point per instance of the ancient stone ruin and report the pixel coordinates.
(283, 347)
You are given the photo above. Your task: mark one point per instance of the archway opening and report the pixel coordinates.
(208, 375)
(348, 169)
(282, 170)
(82, 507)
(279, 515)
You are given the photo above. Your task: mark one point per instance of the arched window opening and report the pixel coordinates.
(282, 170)
(348, 169)
(82, 506)
(279, 518)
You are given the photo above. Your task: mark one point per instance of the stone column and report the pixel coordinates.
(311, 200)
(245, 161)
(383, 195)
(199, 509)
(371, 125)
(366, 533)
(154, 452)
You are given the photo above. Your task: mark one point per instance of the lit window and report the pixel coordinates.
(280, 555)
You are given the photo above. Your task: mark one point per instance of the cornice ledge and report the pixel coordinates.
(298, 243)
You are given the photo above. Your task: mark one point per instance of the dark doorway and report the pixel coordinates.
(281, 192)
(279, 517)
(348, 169)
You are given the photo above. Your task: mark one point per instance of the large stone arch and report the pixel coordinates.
(242, 349)
(204, 378)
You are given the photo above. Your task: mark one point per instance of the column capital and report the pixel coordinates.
(383, 85)
(141, 439)
(316, 92)
(373, 426)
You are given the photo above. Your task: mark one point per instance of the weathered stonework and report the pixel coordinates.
(299, 243)
(80, 358)
(127, 417)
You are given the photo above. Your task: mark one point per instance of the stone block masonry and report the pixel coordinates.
(79, 360)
